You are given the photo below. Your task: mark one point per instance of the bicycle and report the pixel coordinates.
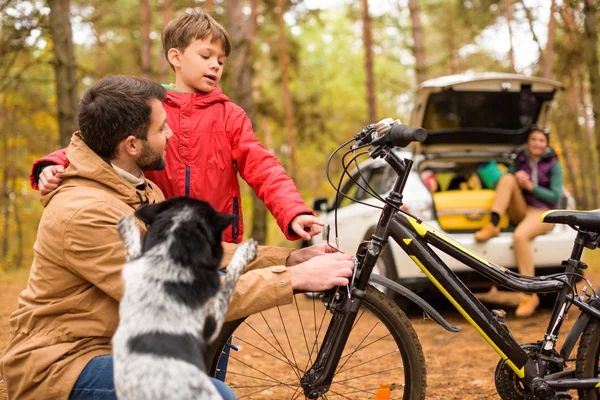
(363, 339)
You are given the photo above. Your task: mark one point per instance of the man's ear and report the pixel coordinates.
(173, 57)
(147, 214)
(129, 146)
(225, 220)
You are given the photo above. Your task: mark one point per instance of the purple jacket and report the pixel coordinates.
(544, 175)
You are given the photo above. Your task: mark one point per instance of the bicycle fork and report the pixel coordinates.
(317, 380)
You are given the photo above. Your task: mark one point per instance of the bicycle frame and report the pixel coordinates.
(416, 239)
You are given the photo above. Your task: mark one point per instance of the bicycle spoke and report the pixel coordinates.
(265, 339)
(366, 362)
(361, 342)
(288, 337)
(371, 374)
(286, 361)
(283, 353)
(303, 334)
(364, 347)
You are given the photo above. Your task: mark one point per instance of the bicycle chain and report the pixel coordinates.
(509, 385)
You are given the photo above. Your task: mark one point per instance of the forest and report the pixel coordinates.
(310, 74)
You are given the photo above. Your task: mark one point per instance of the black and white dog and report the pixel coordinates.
(173, 302)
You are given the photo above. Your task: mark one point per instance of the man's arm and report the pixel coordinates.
(270, 280)
(93, 249)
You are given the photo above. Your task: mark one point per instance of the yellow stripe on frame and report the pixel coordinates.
(422, 230)
(520, 372)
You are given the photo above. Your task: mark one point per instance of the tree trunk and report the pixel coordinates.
(285, 87)
(587, 141)
(418, 41)
(18, 258)
(242, 34)
(4, 198)
(368, 43)
(549, 52)
(146, 50)
(508, 16)
(64, 68)
(167, 16)
(591, 51)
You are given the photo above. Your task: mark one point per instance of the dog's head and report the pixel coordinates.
(193, 228)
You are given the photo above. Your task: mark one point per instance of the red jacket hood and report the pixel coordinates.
(200, 99)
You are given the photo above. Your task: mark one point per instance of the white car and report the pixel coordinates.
(471, 120)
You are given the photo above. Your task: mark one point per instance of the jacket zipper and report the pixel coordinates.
(187, 181)
(235, 227)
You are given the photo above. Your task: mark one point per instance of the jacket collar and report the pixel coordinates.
(86, 168)
(199, 100)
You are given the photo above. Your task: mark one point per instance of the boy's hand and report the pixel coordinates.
(306, 226)
(48, 180)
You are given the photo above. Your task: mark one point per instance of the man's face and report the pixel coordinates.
(200, 66)
(153, 149)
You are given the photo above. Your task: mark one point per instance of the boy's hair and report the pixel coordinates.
(193, 25)
(114, 108)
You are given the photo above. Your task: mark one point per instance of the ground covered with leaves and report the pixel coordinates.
(459, 365)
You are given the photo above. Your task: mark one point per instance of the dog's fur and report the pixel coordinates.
(173, 302)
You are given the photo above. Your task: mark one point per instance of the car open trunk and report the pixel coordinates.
(473, 120)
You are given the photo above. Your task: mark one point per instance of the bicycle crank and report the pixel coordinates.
(509, 385)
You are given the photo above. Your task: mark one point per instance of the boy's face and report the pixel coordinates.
(199, 67)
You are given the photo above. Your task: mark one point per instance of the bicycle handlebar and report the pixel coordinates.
(401, 135)
(390, 133)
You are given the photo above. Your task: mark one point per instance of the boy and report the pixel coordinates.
(213, 138)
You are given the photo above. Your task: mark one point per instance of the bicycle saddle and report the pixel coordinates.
(588, 220)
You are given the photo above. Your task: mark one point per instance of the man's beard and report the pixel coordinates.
(150, 160)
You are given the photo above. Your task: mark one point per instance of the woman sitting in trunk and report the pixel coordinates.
(532, 186)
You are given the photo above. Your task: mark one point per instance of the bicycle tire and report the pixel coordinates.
(380, 327)
(588, 358)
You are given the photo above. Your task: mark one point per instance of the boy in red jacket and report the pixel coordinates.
(212, 138)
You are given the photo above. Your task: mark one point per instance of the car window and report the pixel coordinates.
(380, 179)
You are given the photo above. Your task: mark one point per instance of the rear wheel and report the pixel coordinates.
(272, 350)
(588, 358)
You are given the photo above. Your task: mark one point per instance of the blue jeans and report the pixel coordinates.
(96, 382)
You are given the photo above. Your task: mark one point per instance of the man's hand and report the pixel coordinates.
(48, 180)
(322, 272)
(306, 226)
(301, 255)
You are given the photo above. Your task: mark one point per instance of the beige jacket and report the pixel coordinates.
(69, 311)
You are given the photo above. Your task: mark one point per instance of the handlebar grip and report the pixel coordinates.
(401, 135)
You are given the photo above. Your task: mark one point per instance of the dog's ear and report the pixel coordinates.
(224, 220)
(147, 214)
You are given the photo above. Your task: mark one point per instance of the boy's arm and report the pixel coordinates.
(264, 173)
(59, 157)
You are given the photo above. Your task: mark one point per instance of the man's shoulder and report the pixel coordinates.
(69, 201)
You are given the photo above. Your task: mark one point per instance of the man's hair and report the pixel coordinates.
(115, 108)
(193, 25)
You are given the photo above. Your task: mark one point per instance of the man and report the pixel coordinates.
(60, 336)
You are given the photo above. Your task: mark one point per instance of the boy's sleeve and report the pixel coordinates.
(265, 174)
(59, 157)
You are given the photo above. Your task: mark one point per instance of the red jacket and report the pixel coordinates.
(212, 141)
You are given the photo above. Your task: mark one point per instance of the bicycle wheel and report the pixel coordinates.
(588, 358)
(272, 350)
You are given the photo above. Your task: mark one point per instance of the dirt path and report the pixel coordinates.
(460, 365)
